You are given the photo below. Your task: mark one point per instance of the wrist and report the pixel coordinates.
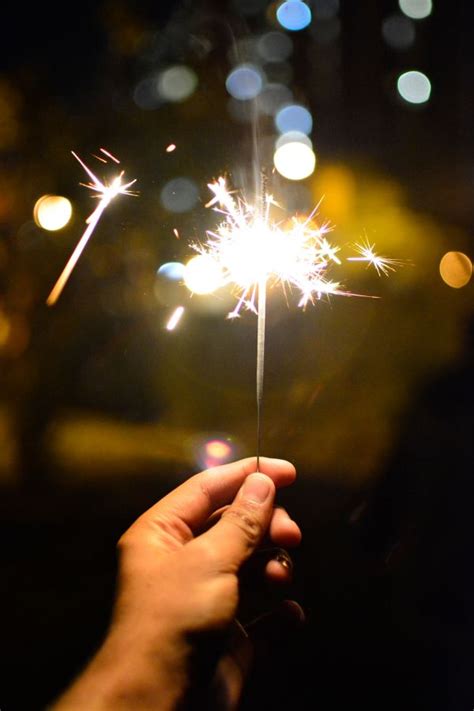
(126, 676)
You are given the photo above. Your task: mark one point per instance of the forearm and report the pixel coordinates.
(121, 678)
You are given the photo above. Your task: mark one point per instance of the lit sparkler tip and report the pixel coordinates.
(171, 148)
(106, 193)
(250, 249)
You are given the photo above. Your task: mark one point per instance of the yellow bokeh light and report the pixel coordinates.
(202, 275)
(455, 269)
(338, 185)
(295, 160)
(52, 212)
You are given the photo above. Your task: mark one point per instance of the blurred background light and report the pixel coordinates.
(244, 82)
(326, 9)
(293, 137)
(294, 161)
(416, 9)
(455, 269)
(177, 83)
(414, 87)
(294, 15)
(294, 118)
(215, 451)
(202, 275)
(274, 46)
(174, 271)
(398, 32)
(179, 195)
(273, 97)
(52, 212)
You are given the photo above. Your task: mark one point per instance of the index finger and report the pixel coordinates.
(195, 500)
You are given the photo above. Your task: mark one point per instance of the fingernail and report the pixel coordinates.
(256, 488)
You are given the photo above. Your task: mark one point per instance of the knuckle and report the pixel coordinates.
(247, 521)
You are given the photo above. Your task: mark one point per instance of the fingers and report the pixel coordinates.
(243, 525)
(195, 500)
(283, 531)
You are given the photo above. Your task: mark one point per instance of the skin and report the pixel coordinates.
(174, 642)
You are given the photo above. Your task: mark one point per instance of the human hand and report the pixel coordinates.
(179, 586)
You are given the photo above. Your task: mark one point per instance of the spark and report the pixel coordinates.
(382, 265)
(251, 249)
(175, 318)
(109, 155)
(105, 192)
(171, 148)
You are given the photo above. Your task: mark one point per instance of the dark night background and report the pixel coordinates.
(102, 410)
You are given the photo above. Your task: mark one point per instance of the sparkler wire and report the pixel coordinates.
(261, 319)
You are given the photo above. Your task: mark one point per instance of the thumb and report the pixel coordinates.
(243, 525)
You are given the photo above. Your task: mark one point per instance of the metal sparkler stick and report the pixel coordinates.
(261, 318)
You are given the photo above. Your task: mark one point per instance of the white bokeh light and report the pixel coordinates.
(294, 160)
(416, 9)
(52, 212)
(414, 87)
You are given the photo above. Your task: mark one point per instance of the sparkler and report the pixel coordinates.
(255, 253)
(106, 192)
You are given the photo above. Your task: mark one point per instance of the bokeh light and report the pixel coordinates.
(244, 82)
(294, 15)
(202, 275)
(294, 118)
(398, 32)
(52, 212)
(179, 195)
(274, 47)
(455, 269)
(168, 287)
(416, 9)
(177, 83)
(294, 160)
(293, 137)
(173, 271)
(414, 87)
(215, 451)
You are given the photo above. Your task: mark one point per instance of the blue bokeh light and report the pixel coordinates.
(244, 82)
(294, 15)
(173, 271)
(294, 118)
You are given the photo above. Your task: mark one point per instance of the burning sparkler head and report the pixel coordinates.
(250, 249)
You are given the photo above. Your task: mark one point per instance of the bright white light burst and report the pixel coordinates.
(251, 250)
